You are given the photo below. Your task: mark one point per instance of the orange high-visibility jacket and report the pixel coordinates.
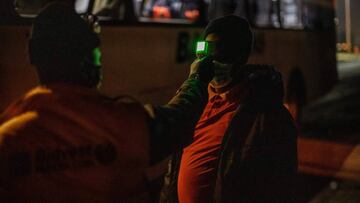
(69, 144)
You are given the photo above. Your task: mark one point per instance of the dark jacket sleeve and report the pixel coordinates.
(172, 125)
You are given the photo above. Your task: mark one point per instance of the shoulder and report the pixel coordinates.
(17, 123)
(29, 101)
(261, 74)
(132, 105)
(264, 82)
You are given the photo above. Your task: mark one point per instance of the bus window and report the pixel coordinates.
(260, 13)
(291, 14)
(26, 8)
(109, 9)
(266, 13)
(82, 6)
(29, 8)
(167, 11)
(220, 8)
(318, 15)
(182, 11)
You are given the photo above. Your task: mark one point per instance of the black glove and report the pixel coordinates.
(202, 69)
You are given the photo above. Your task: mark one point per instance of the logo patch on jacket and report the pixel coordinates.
(45, 160)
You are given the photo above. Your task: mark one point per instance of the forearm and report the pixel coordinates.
(173, 124)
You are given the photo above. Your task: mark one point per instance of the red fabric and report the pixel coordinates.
(198, 166)
(69, 144)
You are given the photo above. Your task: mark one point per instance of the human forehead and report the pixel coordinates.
(212, 37)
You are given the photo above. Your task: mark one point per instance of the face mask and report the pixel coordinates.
(222, 75)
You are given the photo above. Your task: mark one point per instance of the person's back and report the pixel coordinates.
(62, 139)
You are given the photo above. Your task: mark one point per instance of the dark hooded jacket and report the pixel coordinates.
(258, 157)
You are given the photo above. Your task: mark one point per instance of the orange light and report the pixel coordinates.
(192, 14)
(161, 12)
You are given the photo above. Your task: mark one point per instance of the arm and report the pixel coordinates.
(172, 125)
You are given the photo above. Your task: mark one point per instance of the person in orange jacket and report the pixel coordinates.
(63, 141)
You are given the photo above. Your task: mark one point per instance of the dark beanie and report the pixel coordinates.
(236, 35)
(58, 32)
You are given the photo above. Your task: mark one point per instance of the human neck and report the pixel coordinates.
(220, 90)
(236, 79)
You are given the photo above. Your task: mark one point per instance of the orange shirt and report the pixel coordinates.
(65, 143)
(199, 161)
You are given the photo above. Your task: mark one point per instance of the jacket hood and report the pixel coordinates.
(265, 84)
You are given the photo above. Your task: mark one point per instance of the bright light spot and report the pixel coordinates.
(200, 46)
(81, 6)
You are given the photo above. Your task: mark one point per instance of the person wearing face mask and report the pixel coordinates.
(64, 141)
(244, 147)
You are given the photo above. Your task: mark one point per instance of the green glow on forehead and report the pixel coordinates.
(97, 56)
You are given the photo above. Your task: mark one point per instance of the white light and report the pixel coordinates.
(81, 6)
(200, 46)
